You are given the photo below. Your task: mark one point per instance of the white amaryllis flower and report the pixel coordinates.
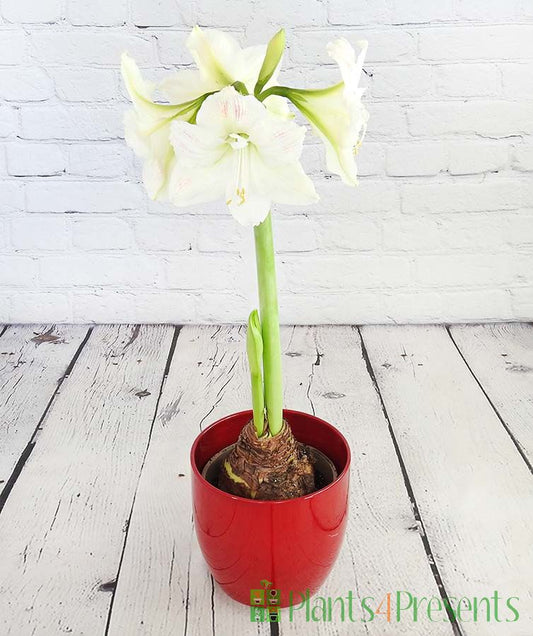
(221, 62)
(147, 128)
(337, 113)
(241, 151)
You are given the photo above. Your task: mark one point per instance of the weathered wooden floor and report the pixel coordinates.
(96, 425)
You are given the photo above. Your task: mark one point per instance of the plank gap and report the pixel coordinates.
(416, 512)
(32, 441)
(166, 370)
(493, 406)
(3, 329)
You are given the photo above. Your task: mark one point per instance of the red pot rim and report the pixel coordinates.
(277, 502)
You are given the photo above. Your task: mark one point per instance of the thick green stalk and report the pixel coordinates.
(268, 307)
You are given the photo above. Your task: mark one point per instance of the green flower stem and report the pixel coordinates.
(254, 348)
(268, 307)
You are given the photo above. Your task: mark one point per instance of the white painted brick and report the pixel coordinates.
(522, 303)
(363, 12)
(27, 159)
(485, 118)
(99, 160)
(523, 157)
(370, 159)
(4, 235)
(88, 84)
(217, 234)
(516, 80)
(99, 270)
(449, 97)
(309, 47)
(82, 196)
(460, 270)
(89, 122)
(479, 306)
(488, 10)
(89, 47)
(199, 271)
(171, 49)
(298, 13)
(398, 306)
(370, 196)
(461, 196)
(29, 11)
(402, 82)
(8, 121)
(3, 160)
(332, 308)
(27, 84)
(296, 234)
(164, 13)
(468, 80)
(5, 307)
(119, 306)
(459, 43)
(419, 12)
(412, 159)
(97, 12)
(166, 234)
(12, 46)
(345, 272)
(18, 271)
(12, 196)
(221, 307)
(522, 266)
(39, 233)
(472, 157)
(445, 233)
(51, 306)
(518, 229)
(95, 234)
(387, 121)
(350, 232)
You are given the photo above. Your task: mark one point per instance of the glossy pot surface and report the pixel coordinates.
(277, 551)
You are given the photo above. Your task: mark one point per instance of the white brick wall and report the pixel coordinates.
(440, 228)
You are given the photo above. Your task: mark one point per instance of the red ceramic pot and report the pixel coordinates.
(291, 543)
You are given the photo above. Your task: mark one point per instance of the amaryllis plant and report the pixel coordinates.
(227, 132)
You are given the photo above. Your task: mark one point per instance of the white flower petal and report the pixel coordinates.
(192, 186)
(278, 105)
(228, 112)
(251, 212)
(186, 85)
(222, 61)
(215, 54)
(283, 183)
(278, 140)
(351, 68)
(138, 142)
(196, 146)
(337, 113)
(249, 64)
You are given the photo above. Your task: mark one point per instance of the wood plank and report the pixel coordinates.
(164, 587)
(325, 373)
(501, 358)
(33, 362)
(473, 489)
(63, 527)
